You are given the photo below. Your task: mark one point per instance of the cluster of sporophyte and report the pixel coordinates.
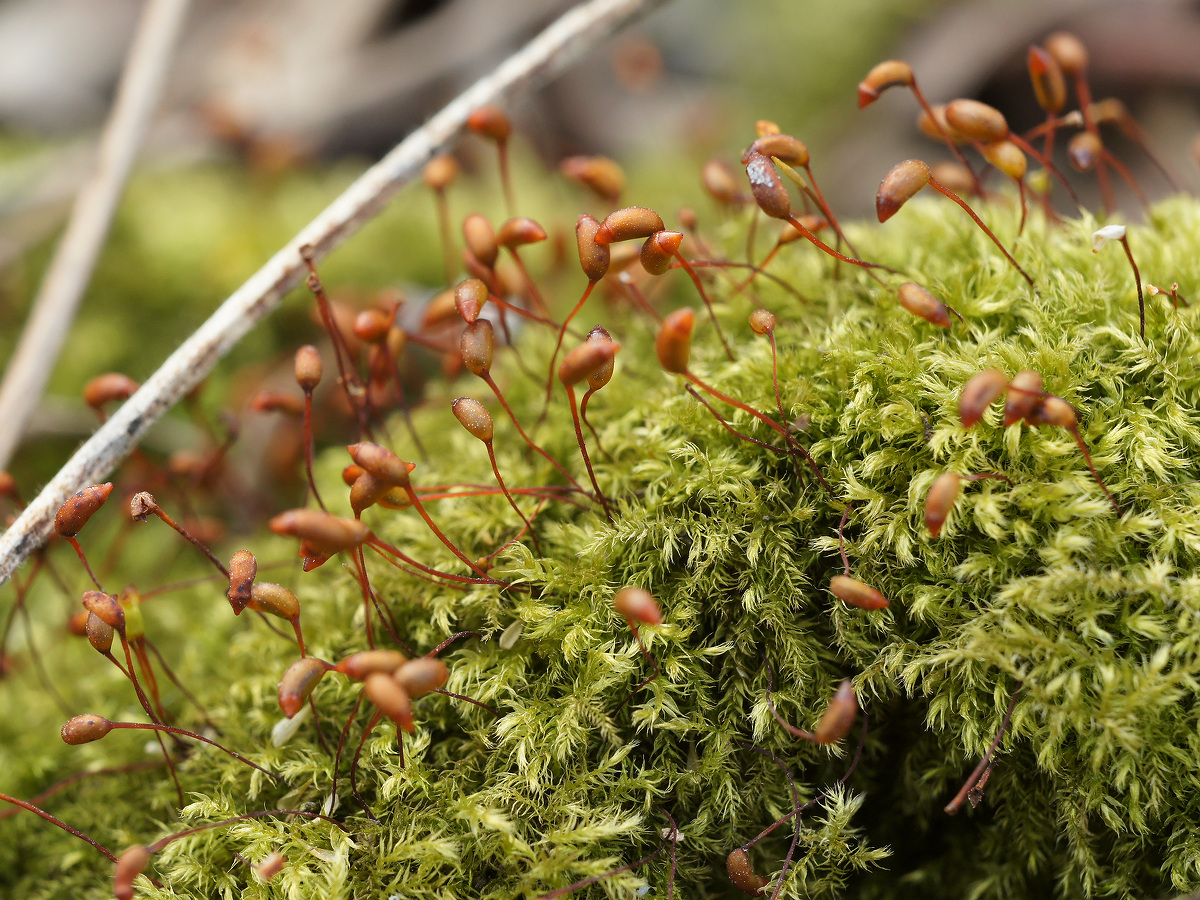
(751, 634)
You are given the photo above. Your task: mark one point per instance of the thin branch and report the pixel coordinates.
(70, 270)
(563, 42)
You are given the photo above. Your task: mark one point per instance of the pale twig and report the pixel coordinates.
(545, 56)
(75, 256)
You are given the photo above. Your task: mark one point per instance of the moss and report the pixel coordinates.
(1038, 585)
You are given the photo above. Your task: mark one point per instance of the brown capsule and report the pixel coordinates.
(659, 250)
(940, 500)
(764, 127)
(439, 173)
(899, 186)
(272, 864)
(480, 239)
(74, 514)
(366, 491)
(476, 347)
(298, 682)
(954, 176)
(1008, 158)
(99, 633)
(77, 623)
(371, 326)
(687, 218)
(932, 123)
(350, 474)
(1049, 85)
(108, 388)
(85, 729)
(744, 878)
(474, 417)
(277, 401)
(593, 258)
(1055, 411)
(130, 864)
(892, 73)
(766, 187)
(630, 223)
(520, 231)
(1084, 151)
(839, 718)
(469, 297)
(598, 174)
(142, 504)
(1110, 111)
(604, 374)
(390, 699)
(1024, 396)
(105, 607)
(382, 463)
(322, 532)
(1068, 51)
(638, 606)
(782, 147)
(978, 394)
(357, 666)
(491, 122)
(921, 303)
(718, 180)
(308, 368)
(8, 484)
(811, 222)
(585, 360)
(674, 341)
(762, 322)
(419, 677)
(976, 120)
(275, 600)
(857, 593)
(441, 309)
(242, 568)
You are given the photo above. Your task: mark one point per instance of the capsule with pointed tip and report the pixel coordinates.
(857, 593)
(1055, 411)
(382, 463)
(518, 231)
(476, 346)
(130, 864)
(474, 417)
(782, 147)
(762, 322)
(594, 258)
(308, 368)
(298, 682)
(390, 699)
(243, 567)
(980, 392)
(585, 360)
(899, 186)
(599, 174)
(977, 120)
(1025, 393)
(766, 187)
(744, 878)
(718, 181)
(921, 303)
(659, 250)
(85, 729)
(357, 666)
(105, 608)
(469, 297)
(421, 676)
(839, 718)
(327, 534)
(630, 223)
(674, 342)
(891, 73)
(480, 239)
(490, 122)
(108, 388)
(940, 500)
(1046, 75)
(638, 606)
(371, 326)
(79, 508)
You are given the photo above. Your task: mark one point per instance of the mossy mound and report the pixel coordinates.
(1039, 586)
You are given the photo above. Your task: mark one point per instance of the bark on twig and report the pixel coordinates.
(546, 55)
(70, 270)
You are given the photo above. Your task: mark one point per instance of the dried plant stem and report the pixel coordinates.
(564, 41)
(75, 256)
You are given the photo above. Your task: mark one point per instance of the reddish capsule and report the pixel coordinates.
(321, 532)
(744, 878)
(899, 186)
(1068, 51)
(674, 341)
(474, 417)
(476, 347)
(130, 864)
(390, 699)
(594, 258)
(638, 606)
(892, 73)
(520, 231)
(921, 303)
(1084, 151)
(857, 593)
(1046, 74)
(371, 326)
(630, 223)
(604, 374)
(277, 401)
(8, 484)
(308, 368)
(107, 388)
(99, 633)
(940, 500)
(932, 123)
(480, 239)
(659, 250)
(469, 297)
(272, 864)
(976, 120)
(298, 682)
(382, 463)
(599, 174)
(366, 491)
(85, 729)
(439, 173)
(439, 310)
(762, 322)
(766, 187)
(586, 360)
(782, 147)
(357, 666)
(105, 607)
(275, 600)
(764, 127)
(718, 180)
(954, 176)
(978, 394)
(76, 512)
(1055, 411)
(839, 718)
(1024, 396)
(491, 122)
(242, 569)
(419, 677)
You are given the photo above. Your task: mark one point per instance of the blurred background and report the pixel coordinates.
(273, 106)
